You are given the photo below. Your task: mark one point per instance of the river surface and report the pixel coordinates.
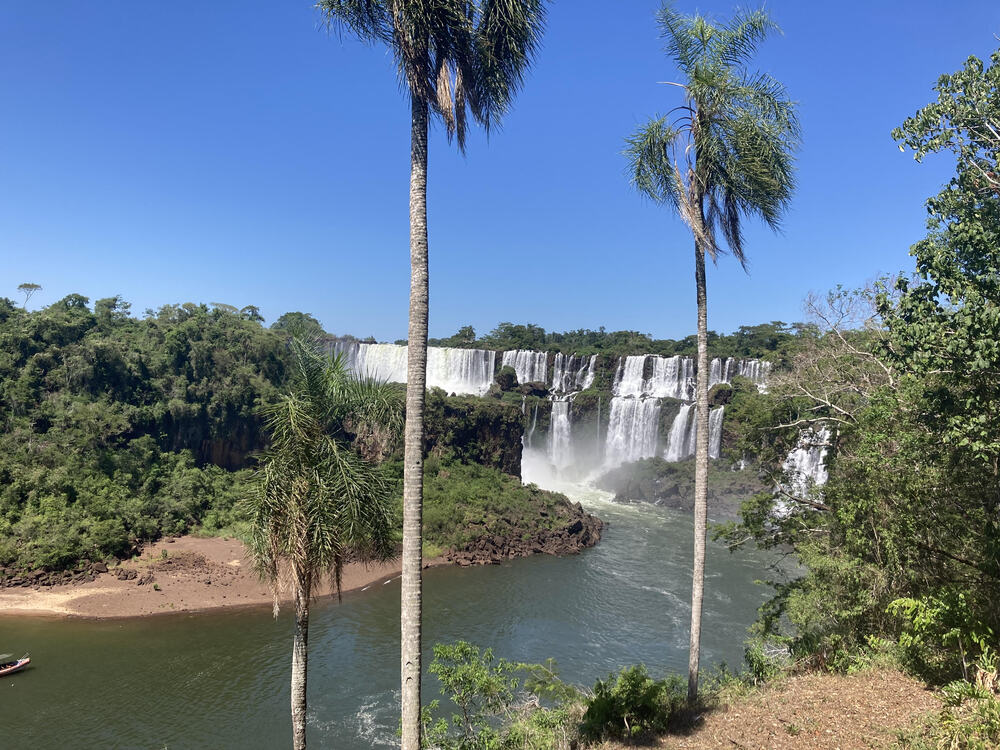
(220, 679)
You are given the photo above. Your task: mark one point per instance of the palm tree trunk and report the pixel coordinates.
(413, 438)
(700, 474)
(300, 656)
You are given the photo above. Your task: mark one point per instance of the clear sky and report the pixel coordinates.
(236, 152)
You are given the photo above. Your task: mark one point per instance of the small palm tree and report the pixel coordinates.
(457, 58)
(316, 503)
(725, 153)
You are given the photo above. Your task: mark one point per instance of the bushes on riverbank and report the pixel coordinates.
(469, 504)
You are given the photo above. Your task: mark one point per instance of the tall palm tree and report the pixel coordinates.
(723, 154)
(315, 502)
(457, 58)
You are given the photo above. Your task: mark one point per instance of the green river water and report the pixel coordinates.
(220, 679)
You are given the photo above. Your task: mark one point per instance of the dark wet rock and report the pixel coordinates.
(578, 531)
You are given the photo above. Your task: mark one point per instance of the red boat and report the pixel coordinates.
(9, 665)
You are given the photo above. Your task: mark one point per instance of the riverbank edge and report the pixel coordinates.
(190, 575)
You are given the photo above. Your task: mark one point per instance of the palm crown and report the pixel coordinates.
(459, 56)
(317, 503)
(726, 152)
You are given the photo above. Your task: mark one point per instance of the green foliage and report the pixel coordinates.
(775, 341)
(632, 704)
(114, 431)
(970, 718)
(903, 543)
(492, 712)
(506, 378)
(315, 503)
(474, 430)
(726, 153)
(464, 338)
(463, 502)
(299, 325)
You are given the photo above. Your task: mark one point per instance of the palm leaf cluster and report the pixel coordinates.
(460, 57)
(727, 151)
(316, 503)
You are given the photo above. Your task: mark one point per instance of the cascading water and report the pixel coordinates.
(754, 370)
(462, 371)
(805, 466)
(560, 436)
(634, 421)
(632, 430)
(531, 431)
(572, 373)
(805, 469)
(670, 377)
(529, 366)
(683, 436)
(677, 440)
(715, 432)
(586, 374)
(634, 413)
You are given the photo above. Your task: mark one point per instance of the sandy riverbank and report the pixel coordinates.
(195, 574)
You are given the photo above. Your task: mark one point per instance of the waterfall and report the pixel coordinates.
(463, 371)
(633, 427)
(754, 370)
(597, 432)
(586, 374)
(805, 466)
(715, 432)
(677, 440)
(716, 374)
(682, 441)
(534, 424)
(573, 373)
(560, 436)
(529, 366)
(671, 377)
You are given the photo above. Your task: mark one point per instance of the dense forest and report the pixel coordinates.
(119, 429)
(764, 341)
(901, 546)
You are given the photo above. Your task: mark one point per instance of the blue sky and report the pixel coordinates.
(236, 152)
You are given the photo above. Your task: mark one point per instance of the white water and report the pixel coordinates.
(754, 370)
(572, 373)
(805, 466)
(529, 366)
(670, 377)
(632, 430)
(715, 432)
(682, 440)
(461, 371)
(560, 436)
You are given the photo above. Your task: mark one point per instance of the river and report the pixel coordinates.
(220, 679)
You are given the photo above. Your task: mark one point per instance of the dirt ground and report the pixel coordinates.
(174, 575)
(812, 712)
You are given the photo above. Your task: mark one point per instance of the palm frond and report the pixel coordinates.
(742, 132)
(652, 168)
(462, 58)
(738, 40)
(369, 20)
(507, 35)
(315, 503)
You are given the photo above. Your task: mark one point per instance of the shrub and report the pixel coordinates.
(631, 704)
(493, 711)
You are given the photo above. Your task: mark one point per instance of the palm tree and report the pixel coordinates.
(723, 154)
(457, 58)
(315, 502)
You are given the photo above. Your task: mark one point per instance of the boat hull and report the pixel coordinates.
(15, 667)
